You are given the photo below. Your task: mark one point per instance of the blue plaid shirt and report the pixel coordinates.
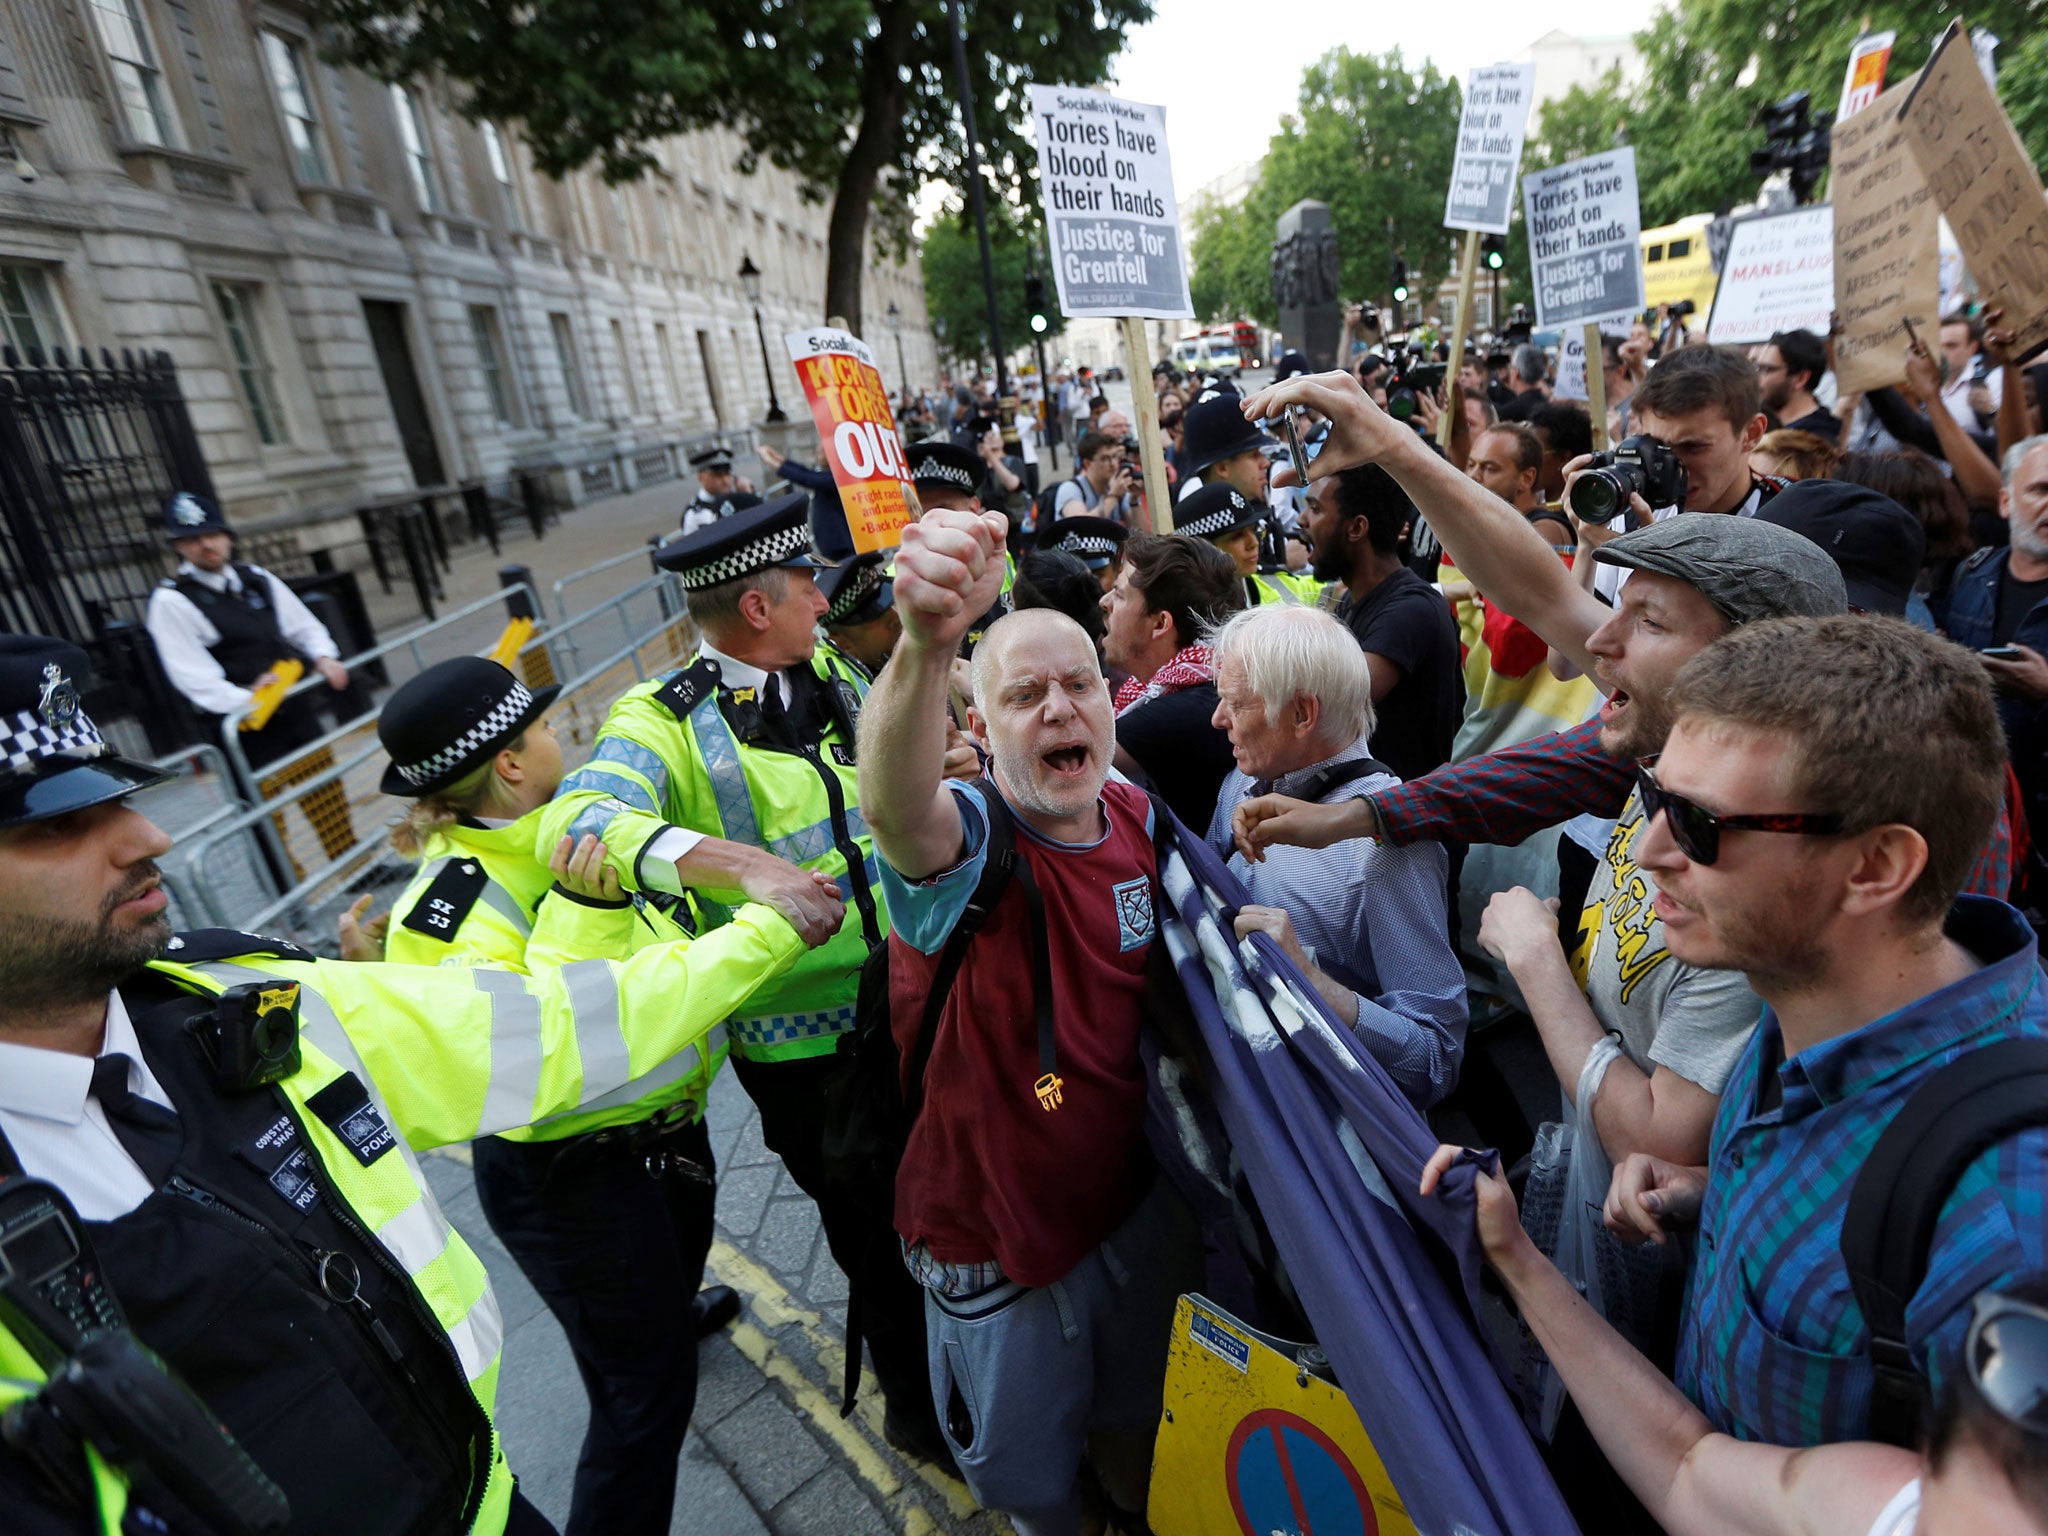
(1773, 1346)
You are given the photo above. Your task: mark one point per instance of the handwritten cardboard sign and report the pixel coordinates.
(850, 404)
(1887, 246)
(1983, 181)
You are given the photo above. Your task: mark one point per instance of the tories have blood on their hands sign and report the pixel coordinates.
(850, 405)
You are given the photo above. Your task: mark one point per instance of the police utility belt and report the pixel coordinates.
(104, 1387)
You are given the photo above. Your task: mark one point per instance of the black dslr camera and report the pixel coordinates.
(1417, 375)
(1640, 466)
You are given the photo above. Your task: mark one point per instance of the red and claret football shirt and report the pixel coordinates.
(990, 1172)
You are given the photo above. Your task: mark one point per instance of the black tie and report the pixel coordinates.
(773, 714)
(147, 1130)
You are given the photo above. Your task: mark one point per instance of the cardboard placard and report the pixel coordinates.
(1585, 245)
(1779, 276)
(1887, 247)
(850, 405)
(1490, 129)
(1107, 183)
(1983, 181)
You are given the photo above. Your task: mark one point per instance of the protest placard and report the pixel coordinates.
(1779, 276)
(1983, 181)
(850, 405)
(1490, 128)
(1868, 56)
(1887, 247)
(1107, 186)
(1585, 248)
(1571, 353)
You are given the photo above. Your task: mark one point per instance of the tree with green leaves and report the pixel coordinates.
(952, 282)
(857, 97)
(1373, 138)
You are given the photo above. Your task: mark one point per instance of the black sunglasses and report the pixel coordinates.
(1697, 831)
(2006, 1353)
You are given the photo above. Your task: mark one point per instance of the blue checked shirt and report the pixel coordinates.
(1773, 1346)
(1374, 918)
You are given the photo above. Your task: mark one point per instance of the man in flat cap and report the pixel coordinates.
(752, 741)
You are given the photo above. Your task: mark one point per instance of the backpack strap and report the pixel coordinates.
(999, 864)
(1969, 1106)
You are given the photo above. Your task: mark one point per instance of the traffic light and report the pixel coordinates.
(1034, 301)
(1494, 249)
(1400, 281)
(1797, 140)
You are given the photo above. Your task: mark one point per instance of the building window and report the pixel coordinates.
(29, 318)
(287, 66)
(565, 354)
(237, 303)
(138, 83)
(668, 367)
(501, 172)
(419, 158)
(490, 357)
(626, 368)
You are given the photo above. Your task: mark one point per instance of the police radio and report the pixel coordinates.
(252, 1036)
(106, 1389)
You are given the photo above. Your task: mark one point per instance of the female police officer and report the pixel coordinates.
(228, 1124)
(608, 1211)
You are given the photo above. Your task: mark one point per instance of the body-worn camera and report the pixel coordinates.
(1639, 466)
(252, 1036)
(1402, 390)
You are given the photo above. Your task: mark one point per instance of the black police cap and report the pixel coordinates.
(1094, 541)
(857, 592)
(774, 533)
(936, 463)
(1210, 511)
(454, 717)
(188, 515)
(53, 759)
(716, 457)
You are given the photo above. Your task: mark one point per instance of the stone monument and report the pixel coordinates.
(1305, 279)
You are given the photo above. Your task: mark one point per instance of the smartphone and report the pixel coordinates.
(1295, 454)
(1911, 335)
(2001, 653)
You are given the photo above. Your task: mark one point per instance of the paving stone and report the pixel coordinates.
(725, 1379)
(788, 1234)
(826, 1282)
(767, 1448)
(830, 1504)
(743, 1195)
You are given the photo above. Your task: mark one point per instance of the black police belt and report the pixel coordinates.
(651, 1142)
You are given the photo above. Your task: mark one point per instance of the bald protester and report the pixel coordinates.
(1049, 1254)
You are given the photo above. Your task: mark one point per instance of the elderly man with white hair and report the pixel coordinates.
(1367, 923)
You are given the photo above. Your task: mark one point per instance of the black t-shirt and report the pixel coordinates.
(2016, 600)
(1407, 621)
(1524, 405)
(1184, 756)
(1821, 422)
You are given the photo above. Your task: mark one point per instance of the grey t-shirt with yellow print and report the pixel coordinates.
(1670, 1014)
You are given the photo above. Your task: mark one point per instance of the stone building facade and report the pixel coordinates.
(362, 291)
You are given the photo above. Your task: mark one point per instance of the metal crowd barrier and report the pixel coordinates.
(254, 866)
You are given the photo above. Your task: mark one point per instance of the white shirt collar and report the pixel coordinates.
(54, 1085)
(222, 580)
(736, 674)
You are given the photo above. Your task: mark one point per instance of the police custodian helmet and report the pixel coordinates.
(53, 759)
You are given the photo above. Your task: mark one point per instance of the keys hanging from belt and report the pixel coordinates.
(664, 1161)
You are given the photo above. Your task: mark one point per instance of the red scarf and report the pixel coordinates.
(1190, 667)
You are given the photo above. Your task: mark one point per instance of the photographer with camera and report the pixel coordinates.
(1101, 486)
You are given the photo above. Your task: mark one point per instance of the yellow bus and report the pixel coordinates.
(1676, 265)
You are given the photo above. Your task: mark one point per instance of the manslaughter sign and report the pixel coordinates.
(1107, 185)
(850, 405)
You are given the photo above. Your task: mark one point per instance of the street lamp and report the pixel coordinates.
(750, 280)
(896, 325)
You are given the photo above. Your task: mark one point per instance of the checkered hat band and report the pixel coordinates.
(28, 743)
(1088, 544)
(951, 474)
(859, 589)
(770, 549)
(493, 727)
(1214, 523)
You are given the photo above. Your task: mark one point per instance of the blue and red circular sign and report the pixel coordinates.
(1286, 1475)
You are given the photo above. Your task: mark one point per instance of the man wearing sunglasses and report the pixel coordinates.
(1823, 791)
(1984, 1468)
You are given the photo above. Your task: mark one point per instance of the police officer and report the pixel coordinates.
(753, 740)
(860, 620)
(719, 492)
(226, 1126)
(221, 627)
(1097, 542)
(608, 1212)
(1223, 515)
